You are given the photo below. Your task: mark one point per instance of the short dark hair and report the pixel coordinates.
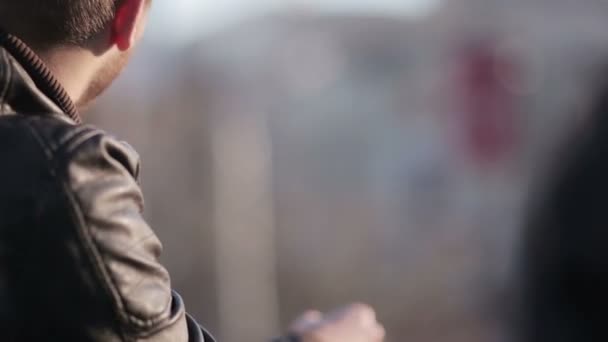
(45, 23)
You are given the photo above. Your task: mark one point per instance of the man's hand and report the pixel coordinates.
(354, 323)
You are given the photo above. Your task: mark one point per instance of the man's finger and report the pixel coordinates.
(364, 314)
(313, 316)
(307, 320)
(378, 333)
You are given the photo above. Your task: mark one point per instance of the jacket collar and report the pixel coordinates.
(27, 86)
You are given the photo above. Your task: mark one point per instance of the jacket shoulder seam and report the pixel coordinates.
(67, 146)
(87, 243)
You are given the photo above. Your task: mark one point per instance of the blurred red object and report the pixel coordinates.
(485, 104)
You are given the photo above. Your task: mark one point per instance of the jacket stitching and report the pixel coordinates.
(84, 134)
(85, 238)
(7, 81)
(147, 323)
(82, 131)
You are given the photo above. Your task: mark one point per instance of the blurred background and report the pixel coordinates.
(303, 154)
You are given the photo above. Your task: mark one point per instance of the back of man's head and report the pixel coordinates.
(64, 33)
(48, 23)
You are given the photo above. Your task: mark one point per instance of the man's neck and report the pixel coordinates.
(73, 67)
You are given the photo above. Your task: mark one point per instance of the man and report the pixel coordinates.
(77, 260)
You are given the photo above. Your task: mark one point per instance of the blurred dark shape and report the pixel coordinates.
(565, 249)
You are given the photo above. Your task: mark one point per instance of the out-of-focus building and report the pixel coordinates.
(342, 160)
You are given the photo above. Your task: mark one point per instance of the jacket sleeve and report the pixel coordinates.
(117, 250)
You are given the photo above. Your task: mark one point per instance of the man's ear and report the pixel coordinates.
(129, 18)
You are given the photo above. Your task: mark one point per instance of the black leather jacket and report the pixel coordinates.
(77, 260)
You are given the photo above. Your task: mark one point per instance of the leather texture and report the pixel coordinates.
(78, 262)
